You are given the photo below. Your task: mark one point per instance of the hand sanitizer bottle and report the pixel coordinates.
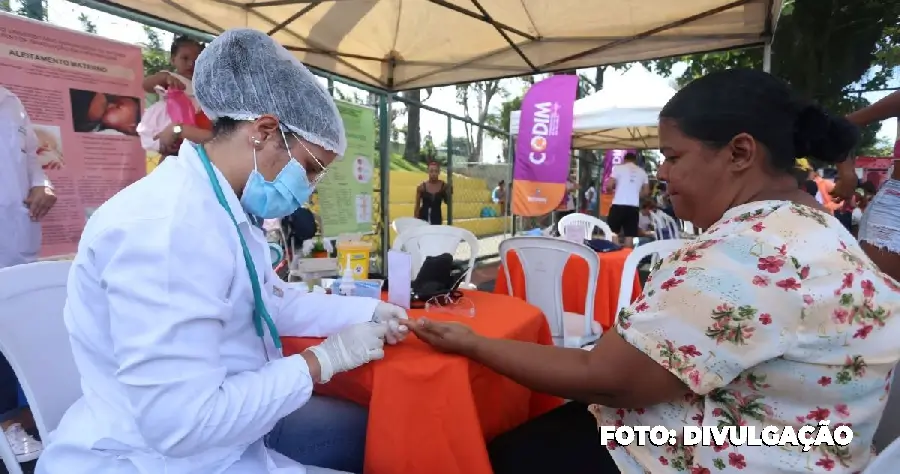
(347, 282)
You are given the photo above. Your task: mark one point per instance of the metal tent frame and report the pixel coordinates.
(518, 52)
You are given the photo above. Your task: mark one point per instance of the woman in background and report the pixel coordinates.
(879, 228)
(430, 195)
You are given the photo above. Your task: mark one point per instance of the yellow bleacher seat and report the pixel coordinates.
(470, 196)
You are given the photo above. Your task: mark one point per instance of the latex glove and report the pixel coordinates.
(350, 348)
(394, 317)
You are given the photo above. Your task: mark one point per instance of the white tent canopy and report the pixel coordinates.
(622, 115)
(409, 44)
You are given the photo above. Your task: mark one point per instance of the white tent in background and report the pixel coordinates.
(622, 115)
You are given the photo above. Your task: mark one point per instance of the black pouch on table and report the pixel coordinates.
(438, 276)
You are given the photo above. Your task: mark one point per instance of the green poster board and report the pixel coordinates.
(345, 193)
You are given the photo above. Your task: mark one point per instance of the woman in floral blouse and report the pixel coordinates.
(773, 316)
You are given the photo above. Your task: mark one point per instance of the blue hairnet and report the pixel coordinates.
(244, 74)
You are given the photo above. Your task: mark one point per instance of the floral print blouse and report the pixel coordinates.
(774, 316)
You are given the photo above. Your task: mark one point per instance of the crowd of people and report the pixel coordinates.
(773, 316)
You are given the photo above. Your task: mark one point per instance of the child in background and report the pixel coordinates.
(155, 128)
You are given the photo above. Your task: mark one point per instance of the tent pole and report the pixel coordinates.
(767, 57)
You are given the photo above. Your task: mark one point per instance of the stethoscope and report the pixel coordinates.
(260, 314)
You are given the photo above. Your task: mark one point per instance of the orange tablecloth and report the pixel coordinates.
(575, 279)
(431, 412)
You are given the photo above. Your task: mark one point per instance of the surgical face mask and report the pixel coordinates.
(280, 197)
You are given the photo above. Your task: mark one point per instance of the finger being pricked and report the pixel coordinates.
(396, 331)
(425, 328)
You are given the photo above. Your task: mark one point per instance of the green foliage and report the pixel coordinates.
(156, 58)
(881, 147)
(34, 9)
(86, 24)
(822, 48)
(501, 119)
(399, 163)
(4, 6)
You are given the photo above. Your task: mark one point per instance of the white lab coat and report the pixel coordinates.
(20, 170)
(175, 379)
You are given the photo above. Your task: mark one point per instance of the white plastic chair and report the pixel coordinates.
(886, 461)
(402, 224)
(34, 339)
(889, 428)
(586, 222)
(543, 260)
(659, 249)
(9, 458)
(663, 225)
(432, 240)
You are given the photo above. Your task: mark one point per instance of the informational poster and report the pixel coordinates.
(345, 193)
(83, 96)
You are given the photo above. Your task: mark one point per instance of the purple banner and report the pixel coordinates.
(541, 166)
(610, 159)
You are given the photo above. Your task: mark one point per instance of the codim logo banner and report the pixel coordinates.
(542, 146)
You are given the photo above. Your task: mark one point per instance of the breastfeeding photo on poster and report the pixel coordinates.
(50, 149)
(96, 112)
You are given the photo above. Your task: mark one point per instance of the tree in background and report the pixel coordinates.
(476, 99)
(824, 48)
(34, 9)
(412, 150)
(155, 56)
(86, 24)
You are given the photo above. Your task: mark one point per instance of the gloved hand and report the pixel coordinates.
(350, 348)
(394, 317)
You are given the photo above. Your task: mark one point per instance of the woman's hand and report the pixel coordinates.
(454, 338)
(172, 82)
(39, 201)
(168, 141)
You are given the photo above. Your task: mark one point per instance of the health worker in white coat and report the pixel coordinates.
(25, 192)
(174, 312)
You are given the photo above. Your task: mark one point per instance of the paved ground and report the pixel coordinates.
(486, 246)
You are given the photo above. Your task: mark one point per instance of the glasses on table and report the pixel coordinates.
(452, 303)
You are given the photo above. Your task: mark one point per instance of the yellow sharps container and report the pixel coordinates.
(355, 253)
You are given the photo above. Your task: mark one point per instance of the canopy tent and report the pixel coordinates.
(622, 115)
(409, 44)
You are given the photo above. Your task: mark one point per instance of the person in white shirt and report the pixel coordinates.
(590, 198)
(498, 196)
(630, 183)
(175, 314)
(26, 196)
(567, 205)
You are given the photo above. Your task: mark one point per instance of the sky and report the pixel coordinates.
(632, 85)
